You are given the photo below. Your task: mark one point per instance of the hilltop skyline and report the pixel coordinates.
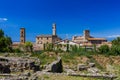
(101, 17)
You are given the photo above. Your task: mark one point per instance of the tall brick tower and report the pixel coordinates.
(22, 35)
(86, 34)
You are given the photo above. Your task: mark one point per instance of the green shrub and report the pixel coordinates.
(104, 49)
(115, 50)
(17, 50)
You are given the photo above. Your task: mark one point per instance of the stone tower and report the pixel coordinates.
(54, 29)
(86, 34)
(22, 35)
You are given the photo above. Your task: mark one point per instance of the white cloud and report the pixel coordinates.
(3, 19)
(114, 36)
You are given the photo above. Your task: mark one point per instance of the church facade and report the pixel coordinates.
(41, 40)
(88, 40)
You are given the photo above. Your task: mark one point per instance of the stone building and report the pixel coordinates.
(63, 44)
(88, 40)
(41, 40)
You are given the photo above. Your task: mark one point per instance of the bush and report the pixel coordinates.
(17, 50)
(115, 50)
(5, 42)
(28, 46)
(76, 49)
(104, 49)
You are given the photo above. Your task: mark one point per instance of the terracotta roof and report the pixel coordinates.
(78, 38)
(96, 39)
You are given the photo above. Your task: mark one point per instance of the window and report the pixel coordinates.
(22, 35)
(21, 40)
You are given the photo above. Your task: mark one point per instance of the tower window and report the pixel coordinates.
(21, 40)
(22, 32)
(22, 35)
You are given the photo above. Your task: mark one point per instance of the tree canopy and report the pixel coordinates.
(115, 49)
(5, 42)
(29, 46)
(116, 41)
(104, 49)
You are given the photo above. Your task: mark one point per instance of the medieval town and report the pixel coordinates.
(59, 39)
(34, 62)
(86, 40)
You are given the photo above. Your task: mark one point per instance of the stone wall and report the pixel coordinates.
(8, 65)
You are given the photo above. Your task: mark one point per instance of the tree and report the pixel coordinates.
(28, 46)
(48, 47)
(5, 42)
(67, 48)
(103, 49)
(115, 49)
(74, 48)
(1, 33)
(116, 41)
(94, 48)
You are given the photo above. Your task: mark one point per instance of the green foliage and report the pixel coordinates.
(44, 57)
(48, 47)
(67, 48)
(1, 33)
(115, 50)
(94, 48)
(104, 49)
(76, 49)
(116, 41)
(17, 50)
(5, 43)
(28, 46)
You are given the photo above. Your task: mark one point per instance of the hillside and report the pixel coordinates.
(106, 64)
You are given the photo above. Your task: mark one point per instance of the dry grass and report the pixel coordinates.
(63, 77)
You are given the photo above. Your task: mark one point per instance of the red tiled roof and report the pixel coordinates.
(96, 39)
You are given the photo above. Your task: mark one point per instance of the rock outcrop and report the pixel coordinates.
(81, 67)
(12, 64)
(56, 66)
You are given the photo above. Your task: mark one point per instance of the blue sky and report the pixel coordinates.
(101, 17)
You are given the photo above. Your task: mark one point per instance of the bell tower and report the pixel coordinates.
(86, 34)
(54, 29)
(22, 35)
